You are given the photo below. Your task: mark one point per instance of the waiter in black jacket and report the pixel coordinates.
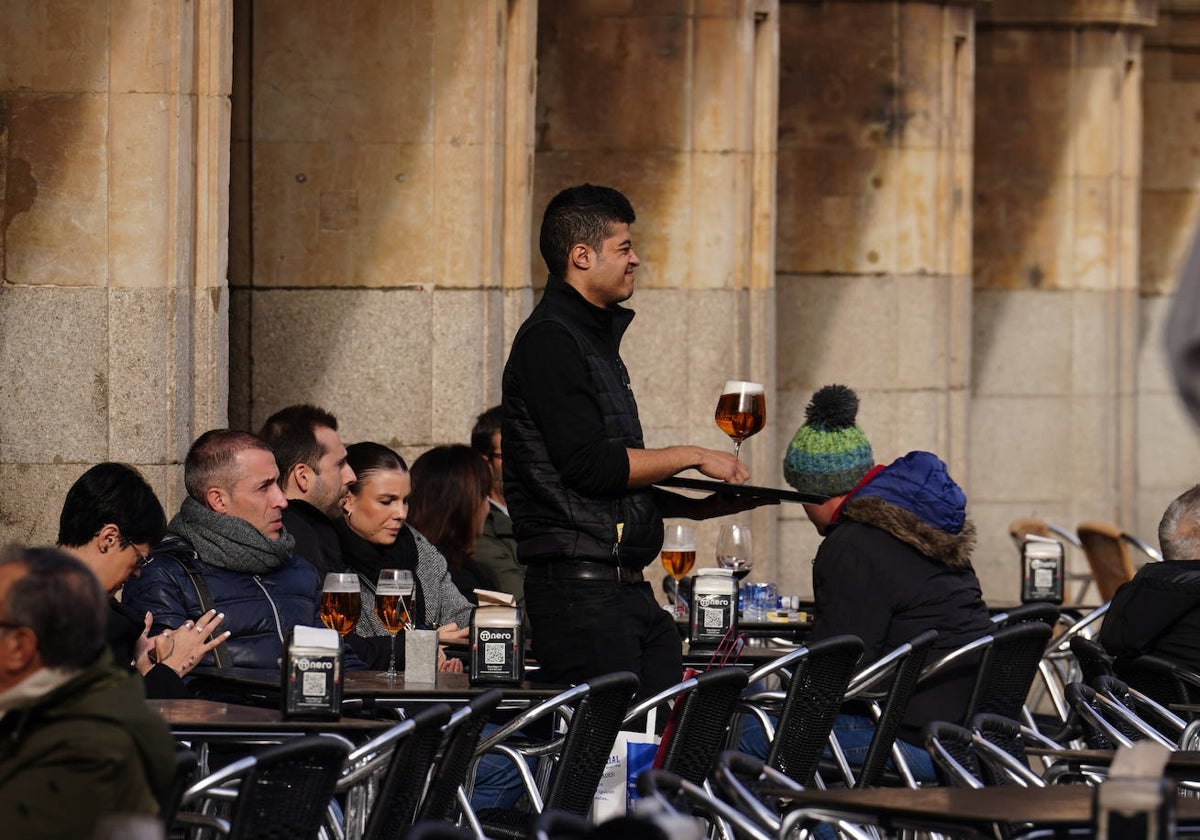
(577, 475)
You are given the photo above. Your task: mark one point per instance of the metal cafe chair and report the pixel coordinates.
(703, 708)
(902, 667)
(443, 795)
(1107, 550)
(570, 764)
(385, 777)
(760, 793)
(1158, 677)
(279, 794)
(820, 673)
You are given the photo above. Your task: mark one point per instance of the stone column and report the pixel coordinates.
(1167, 444)
(387, 174)
(1057, 152)
(675, 105)
(114, 126)
(874, 228)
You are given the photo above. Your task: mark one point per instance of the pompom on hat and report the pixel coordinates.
(829, 454)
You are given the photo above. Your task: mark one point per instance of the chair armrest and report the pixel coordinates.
(211, 784)
(953, 656)
(775, 665)
(541, 710)
(206, 820)
(643, 708)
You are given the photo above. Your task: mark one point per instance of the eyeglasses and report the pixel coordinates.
(142, 559)
(10, 625)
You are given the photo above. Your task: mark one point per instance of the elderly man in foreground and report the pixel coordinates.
(77, 742)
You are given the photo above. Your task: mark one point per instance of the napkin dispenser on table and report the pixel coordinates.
(312, 674)
(497, 639)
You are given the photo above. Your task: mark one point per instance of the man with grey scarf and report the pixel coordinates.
(227, 549)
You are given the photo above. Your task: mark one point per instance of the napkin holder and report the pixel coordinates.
(312, 674)
(497, 640)
(1136, 800)
(1042, 570)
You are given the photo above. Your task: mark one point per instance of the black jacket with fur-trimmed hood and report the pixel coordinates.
(895, 562)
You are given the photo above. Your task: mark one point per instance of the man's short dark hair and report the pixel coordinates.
(486, 425)
(116, 494)
(61, 601)
(292, 435)
(586, 214)
(213, 458)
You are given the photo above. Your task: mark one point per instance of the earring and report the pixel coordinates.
(104, 549)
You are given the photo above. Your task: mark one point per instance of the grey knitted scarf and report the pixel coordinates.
(229, 542)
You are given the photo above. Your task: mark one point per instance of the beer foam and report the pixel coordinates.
(736, 386)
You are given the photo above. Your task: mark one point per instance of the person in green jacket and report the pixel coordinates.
(77, 741)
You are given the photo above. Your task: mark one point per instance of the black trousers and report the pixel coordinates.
(585, 628)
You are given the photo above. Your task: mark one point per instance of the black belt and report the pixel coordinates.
(583, 570)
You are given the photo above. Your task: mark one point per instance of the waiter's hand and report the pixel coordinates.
(722, 466)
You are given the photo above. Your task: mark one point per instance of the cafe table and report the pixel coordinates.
(963, 811)
(366, 689)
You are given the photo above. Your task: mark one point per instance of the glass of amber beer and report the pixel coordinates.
(391, 608)
(741, 411)
(678, 557)
(341, 602)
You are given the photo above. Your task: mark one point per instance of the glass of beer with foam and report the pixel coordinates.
(341, 602)
(678, 557)
(391, 608)
(741, 411)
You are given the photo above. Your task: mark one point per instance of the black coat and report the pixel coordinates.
(1158, 612)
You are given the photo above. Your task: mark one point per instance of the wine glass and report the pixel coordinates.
(678, 557)
(741, 411)
(735, 550)
(391, 608)
(341, 602)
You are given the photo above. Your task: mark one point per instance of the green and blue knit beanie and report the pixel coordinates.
(829, 454)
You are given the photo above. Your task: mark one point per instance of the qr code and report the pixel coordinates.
(493, 653)
(1043, 578)
(314, 682)
(714, 616)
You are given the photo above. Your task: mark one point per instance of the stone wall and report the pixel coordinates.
(114, 138)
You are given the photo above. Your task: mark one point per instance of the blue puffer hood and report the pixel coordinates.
(920, 484)
(915, 499)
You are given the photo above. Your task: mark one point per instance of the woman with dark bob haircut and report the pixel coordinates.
(449, 505)
(374, 535)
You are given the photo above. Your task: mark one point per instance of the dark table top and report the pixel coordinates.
(195, 715)
(261, 687)
(949, 808)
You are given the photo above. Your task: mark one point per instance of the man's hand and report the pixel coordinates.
(723, 466)
(180, 649)
(452, 634)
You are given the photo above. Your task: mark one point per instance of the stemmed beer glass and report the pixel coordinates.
(341, 602)
(741, 411)
(678, 557)
(391, 608)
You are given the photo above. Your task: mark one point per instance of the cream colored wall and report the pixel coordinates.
(385, 161)
(1168, 444)
(114, 137)
(873, 240)
(674, 103)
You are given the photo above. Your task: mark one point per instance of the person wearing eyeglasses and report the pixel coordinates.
(79, 742)
(111, 520)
